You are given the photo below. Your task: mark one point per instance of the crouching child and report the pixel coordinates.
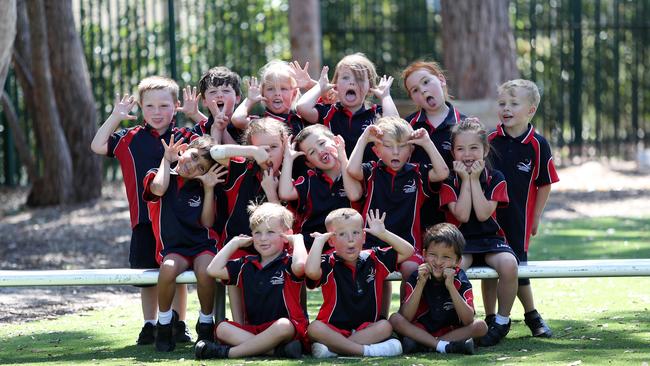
(349, 321)
(438, 311)
(274, 321)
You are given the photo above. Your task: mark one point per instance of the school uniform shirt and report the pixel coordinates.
(241, 187)
(139, 149)
(352, 295)
(400, 195)
(495, 188)
(441, 137)
(293, 121)
(436, 311)
(350, 126)
(318, 195)
(234, 132)
(176, 217)
(527, 164)
(269, 292)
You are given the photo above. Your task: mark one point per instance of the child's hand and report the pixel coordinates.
(291, 238)
(254, 92)
(218, 115)
(373, 133)
(420, 137)
(375, 223)
(289, 149)
(424, 272)
(213, 176)
(460, 169)
(241, 241)
(261, 155)
(123, 106)
(339, 143)
(303, 80)
(477, 169)
(269, 181)
(321, 238)
(330, 97)
(449, 274)
(383, 89)
(190, 102)
(173, 150)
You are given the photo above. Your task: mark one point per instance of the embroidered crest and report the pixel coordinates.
(195, 201)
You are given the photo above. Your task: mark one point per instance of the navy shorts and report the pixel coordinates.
(478, 248)
(142, 254)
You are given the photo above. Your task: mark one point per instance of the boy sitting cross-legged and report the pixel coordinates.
(274, 322)
(438, 312)
(349, 321)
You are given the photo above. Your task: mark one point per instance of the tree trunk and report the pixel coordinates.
(7, 35)
(305, 33)
(55, 186)
(24, 155)
(74, 98)
(478, 44)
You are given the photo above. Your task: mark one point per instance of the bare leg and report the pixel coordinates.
(386, 295)
(280, 331)
(336, 342)
(172, 265)
(476, 329)
(236, 304)
(406, 269)
(525, 295)
(180, 301)
(506, 266)
(205, 283)
(489, 293)
(149, 300)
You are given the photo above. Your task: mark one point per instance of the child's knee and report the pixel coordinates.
(316, 328)
(284, 328)
(396, 319)
(479, 328)
(383, 328)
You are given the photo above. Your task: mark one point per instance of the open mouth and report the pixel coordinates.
(220, 104)
(350, 96)
(431, 102)
(325, 158)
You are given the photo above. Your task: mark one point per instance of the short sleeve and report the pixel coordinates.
(301, 185)
(464, 287)
(367, 169)
(449, 191)
(547, 173)
(326, 268)
(388, 257)
(234, 268)
(497, 189)
(114, 142)
(322, 109)
(147, 195)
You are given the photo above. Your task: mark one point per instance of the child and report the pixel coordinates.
(394, 185)
(349, 321)
(271, 283)
(426, 85)
(354, 77)
(321, 189)
(139, 149)
(278, 92)
(253, 171)
(471, 195)
(438, 312)
(181, 207)
(220, 91)
(524, 157)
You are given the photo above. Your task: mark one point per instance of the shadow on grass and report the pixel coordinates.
(614, 335)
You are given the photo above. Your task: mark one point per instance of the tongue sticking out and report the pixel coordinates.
(350, 96)
(431, 102)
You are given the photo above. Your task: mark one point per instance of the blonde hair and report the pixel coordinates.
(529, 87)
(395, 128)
(266, 125)
(276, 70)
(361, 67)
(430, 66)
(471, 125)
(263, 213)
(158, 83)
(310, 130)
(341, 214)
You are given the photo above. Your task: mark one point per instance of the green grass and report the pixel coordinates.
(597, 321)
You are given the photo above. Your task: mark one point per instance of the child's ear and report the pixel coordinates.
(238, 99)
(532, 110)
(443, 81)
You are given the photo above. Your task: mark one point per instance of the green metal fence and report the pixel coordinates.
(589, 56)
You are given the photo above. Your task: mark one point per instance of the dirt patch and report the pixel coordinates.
(97, 234)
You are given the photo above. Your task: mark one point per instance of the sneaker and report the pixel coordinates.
(489, 319)
(465, 347)
(291, 349)
(204, 349)
(496, 332)
(182, 333)
(319, 350)
(537, 325)
(204, 332)
(410, 345)
(391, 347)
(147, 334)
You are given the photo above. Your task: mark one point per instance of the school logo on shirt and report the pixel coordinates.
(194, 201)
(448, 306)
(525, 166)
(277, 279)
(371, 276)
(341, 192)
(410, 187)
(446, 145)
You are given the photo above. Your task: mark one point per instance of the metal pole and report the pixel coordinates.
(576, 88)
(171, 34)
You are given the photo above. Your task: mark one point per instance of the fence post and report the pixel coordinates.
(576, 122)
(171, 32)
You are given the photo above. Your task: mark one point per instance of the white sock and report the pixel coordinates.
(150, 321)
(391, 347)
(441, 347)
(501, 320)
(165, 317)
(205, 318)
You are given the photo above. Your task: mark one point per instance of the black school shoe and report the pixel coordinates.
(496, 332)
(410, 345)
(537, 325)
(165, 341)
(204, 350)
(182, 333)
(465, 347)
(292, 349)
(489, 319)
(147, 335)
(204, 332)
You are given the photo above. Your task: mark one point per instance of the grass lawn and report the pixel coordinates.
(597, 321)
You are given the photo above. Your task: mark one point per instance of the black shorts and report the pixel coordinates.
(142, 253)
(522, 255)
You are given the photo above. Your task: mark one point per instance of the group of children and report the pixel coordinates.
(326, 190)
